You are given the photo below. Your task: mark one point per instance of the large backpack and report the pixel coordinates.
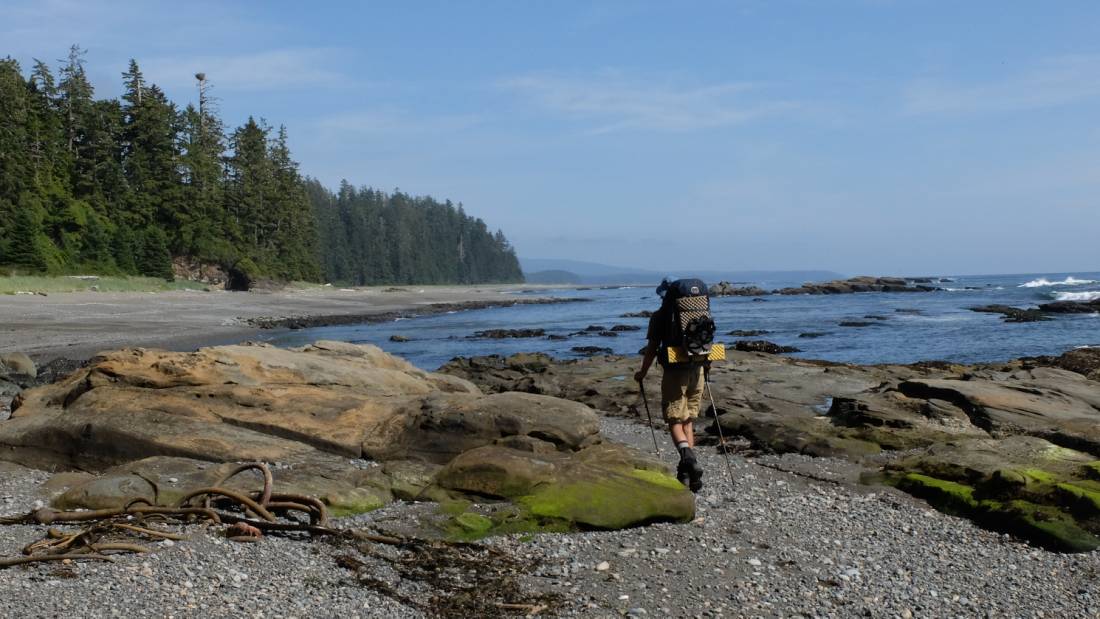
(689, 327)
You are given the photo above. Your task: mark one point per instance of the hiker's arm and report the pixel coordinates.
(647, 360)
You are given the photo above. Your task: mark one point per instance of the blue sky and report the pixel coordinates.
(862, 136)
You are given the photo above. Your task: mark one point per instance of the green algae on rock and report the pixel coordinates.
(602, 486)
(998, 484)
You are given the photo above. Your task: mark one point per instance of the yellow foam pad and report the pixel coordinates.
(676, 354)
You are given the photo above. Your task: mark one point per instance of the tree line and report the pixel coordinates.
(122, 186)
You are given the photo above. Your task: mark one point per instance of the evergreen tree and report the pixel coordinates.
(151, 159)
(155, 260)
(250, 182)
(27, 246)
(77, 110)
(14, 120)
(203, 221)
(124, 248)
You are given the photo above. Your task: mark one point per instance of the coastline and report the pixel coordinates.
(78, 325)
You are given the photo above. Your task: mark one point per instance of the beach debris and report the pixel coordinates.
(123, 530)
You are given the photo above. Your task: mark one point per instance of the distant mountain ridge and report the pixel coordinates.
(564, 271)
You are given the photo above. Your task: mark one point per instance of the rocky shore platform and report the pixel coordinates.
(528, 486)
(1013, 446)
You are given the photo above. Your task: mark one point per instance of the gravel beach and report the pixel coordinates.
(807, 543)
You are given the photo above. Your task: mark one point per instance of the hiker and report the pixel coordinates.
(679, 338)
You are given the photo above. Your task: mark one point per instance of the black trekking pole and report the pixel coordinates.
(718, 424)
(652, 431)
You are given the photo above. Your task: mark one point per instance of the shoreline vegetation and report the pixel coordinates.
(140, 186)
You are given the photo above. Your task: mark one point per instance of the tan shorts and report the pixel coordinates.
(681, 393)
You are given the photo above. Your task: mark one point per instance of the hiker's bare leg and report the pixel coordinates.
(682, 432)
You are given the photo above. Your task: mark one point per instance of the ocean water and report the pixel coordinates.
(917, 326)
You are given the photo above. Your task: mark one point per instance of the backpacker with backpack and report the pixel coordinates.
(689, 328)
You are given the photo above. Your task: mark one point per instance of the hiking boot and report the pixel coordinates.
(682, 474)
(689, 472)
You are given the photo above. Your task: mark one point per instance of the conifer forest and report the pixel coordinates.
(127, 185)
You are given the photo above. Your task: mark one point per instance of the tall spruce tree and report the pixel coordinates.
(203, 226)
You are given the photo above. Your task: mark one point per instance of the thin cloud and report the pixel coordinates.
(273, 70)
(616, 104)
(390, 121)
(1053, 82)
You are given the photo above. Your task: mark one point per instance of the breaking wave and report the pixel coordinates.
(1091, 295)
(1043, 282)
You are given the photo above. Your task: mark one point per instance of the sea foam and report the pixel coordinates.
(1043, 282)
(1091, 295)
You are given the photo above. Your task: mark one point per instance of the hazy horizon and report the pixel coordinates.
(854, 136)
(710, 268)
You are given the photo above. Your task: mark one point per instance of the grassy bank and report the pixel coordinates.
(15, 284)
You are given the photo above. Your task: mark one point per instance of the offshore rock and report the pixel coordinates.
(1012, 314)
(763, 346)
(498, 334)
(1071, 307)
(726, 289)
(858, 284)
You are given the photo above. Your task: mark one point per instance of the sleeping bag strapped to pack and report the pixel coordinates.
(689, 331)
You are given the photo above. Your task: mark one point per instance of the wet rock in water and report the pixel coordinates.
(641, 314)
(139, 415)
(626, 328)
(1071, 307)
(859, 284)
(398, 338)
(763, 346)
(856, 323)
(593, 329)
(608, 334)
(813, 334)
(909, 310)
(591, 350)
(554, 337)
(748, 333)
(875, 317)
(499, 334)
(1012, 314)
(726, 289)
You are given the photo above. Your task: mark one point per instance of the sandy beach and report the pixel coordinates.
(80, 324)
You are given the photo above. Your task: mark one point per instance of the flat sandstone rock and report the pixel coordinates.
(143, 418)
